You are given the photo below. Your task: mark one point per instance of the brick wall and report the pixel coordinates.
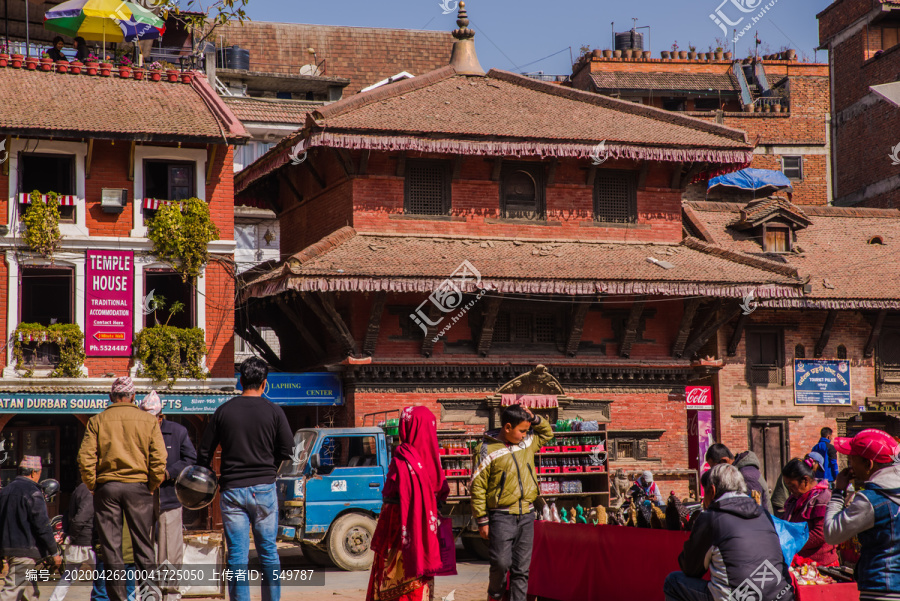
(364, 55)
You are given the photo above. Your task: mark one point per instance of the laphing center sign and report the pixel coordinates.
(109, 303)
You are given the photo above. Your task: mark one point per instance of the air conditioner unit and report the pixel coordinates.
(113, 200)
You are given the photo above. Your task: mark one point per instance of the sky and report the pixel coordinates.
(531, 35)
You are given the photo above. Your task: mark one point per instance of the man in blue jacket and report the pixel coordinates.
(824, 448)
(169, 526)
(25, 535)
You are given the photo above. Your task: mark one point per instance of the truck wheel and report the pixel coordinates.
(349, 542)
(477, 546)
(316, 555)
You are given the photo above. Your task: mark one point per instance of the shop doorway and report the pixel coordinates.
(768, 439)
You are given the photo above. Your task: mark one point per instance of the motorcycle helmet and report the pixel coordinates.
(49, 487)
(196, 487)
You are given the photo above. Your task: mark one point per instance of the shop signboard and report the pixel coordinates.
(109, 303)
(173, 404)
(297, 389)
(698, 397)
(821, 382)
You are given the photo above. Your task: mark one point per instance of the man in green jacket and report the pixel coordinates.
(503, 488)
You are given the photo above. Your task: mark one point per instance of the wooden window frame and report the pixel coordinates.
(536, 171)
(784, 166)
(788, 238)
(446, 189)
(630, 181)
(193, 165)
(192, 309)
(771, 371)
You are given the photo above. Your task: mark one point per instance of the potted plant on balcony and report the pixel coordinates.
(171, 72)
(166, 353)
(67, 336)
(692, 52)
(42, 224)
(719, 53)
(16, 60)
(187, 76)
(31, 63)
(181, 233)
(75, 67)
(664, 55)
(155, 71)
(106, 67)
(62, 66)
(4, 55)
(607, 53)
(125, 65)
(92, 64)
(139, 73)
(46, 62)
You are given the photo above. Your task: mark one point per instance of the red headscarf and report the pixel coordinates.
(416, 468)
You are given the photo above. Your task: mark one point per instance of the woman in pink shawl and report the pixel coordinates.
(407, 553)
(808, 503)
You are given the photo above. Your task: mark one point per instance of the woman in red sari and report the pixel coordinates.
(807, 503)
(407, 553)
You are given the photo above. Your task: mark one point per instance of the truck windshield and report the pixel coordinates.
(303, 443)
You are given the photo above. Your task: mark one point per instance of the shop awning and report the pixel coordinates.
(753, 179)
(67, 200)
(95, 402)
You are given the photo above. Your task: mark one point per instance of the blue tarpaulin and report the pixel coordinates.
(753, 179)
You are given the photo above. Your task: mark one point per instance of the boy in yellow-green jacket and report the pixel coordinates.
(503, 489)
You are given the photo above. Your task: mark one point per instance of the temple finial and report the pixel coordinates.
(463, 57)
(463, 33)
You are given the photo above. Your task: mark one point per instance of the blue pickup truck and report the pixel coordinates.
(330, 494)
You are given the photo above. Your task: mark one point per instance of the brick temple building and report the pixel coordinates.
(782, 105)
(861, 37)
(113, 150)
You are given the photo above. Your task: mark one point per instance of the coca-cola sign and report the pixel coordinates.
(698, 397)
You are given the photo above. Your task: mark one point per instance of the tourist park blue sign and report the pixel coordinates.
(821, 382)
(21, 402)
(312, 388)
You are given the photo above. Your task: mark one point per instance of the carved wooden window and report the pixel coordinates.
(765, 358)
(527, 327)
(615, 197)
(427, 190)
(777, 240)
(522, 192)
(628, 449)
(841, 351)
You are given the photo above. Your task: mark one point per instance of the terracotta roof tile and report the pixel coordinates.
(351, 261)
(51, 103)
(365, 55)
(630, 80)
(835, 252)
(264, 110)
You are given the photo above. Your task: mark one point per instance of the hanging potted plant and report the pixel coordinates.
(155, 71)
(31, 62)
(692, 52)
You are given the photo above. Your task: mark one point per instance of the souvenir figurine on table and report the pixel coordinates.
(593, 517)
(554, 513)
(579, 515)
(572, 516)
(545, 513)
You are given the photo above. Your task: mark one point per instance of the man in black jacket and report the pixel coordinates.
(169, 526)
(255, 439)
(735, 539)
(25, 534)
(79, 527)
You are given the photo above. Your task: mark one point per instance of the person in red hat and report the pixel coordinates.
(873, 514)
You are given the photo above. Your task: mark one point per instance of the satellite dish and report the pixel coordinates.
(309, 70)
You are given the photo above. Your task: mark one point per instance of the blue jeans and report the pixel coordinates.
(243, 509)
(681, 587)
(98, 593)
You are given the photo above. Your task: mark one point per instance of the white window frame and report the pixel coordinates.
(76, 149)
(783, 166)
(15, 260)
(159, 153)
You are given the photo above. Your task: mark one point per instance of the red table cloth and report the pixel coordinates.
(828, 592)
(579, 562)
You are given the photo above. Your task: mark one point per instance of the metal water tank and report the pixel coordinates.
(630, 40)
(234, 57)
